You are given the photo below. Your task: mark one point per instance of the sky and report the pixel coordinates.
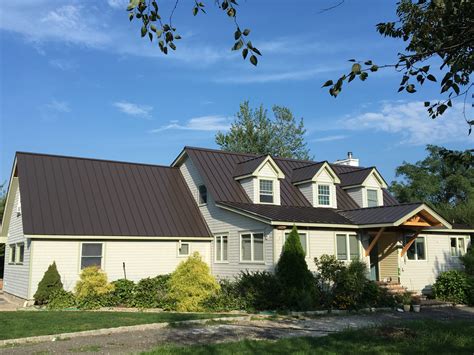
(77, 79)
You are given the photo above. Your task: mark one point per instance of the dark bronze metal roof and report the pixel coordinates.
(355, 177)
(381, 214)
(77, 196)
(248, 166)
(305, 173)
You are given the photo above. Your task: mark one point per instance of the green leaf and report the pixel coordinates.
(374, 68)
(195, 11)
(245, 51)
(356, 68)
(352, 60)
(159, 33)
(327, 83)
(144, 31)
(153, 28)
(133, 4)
(130, 17)
(237, 34)
(253, 60)
(246, 32)
(150, 36)
(411, 88)
(238, 45)
(231, 12)
(172, 46)
(427, 103)
(177, 37)
(363, 76)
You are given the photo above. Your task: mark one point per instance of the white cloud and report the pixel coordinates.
(202, 123)
(118, 4)
(132, 109)
(62, 64)
(411, 122)
(58, 106)
(330, 138)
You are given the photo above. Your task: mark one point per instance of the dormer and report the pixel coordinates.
(317, 182)
(260, 177)
(365, 186)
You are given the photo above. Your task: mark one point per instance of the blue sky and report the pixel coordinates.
(77, 79)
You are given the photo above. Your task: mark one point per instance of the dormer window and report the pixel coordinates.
(266, 191)
(202, 194)
(372, 198)
(324, 195)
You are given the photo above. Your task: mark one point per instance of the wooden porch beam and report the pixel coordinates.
(372, 244)
(406, 247)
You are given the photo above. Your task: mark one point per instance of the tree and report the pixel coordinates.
(432, 29)
(3, 200)
(297, 282)
(50, 282)
(254, 132)
(442, 179)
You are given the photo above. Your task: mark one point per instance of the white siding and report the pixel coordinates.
(16, 276)
(142, 259)
(325, 178)
(267, 171)
(419, 275)
(249, 186)
(224, 222)
(374, 184)
(357, 195)
(307, 190)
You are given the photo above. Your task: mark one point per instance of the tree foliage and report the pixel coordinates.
(445, 179)
(431, 29)
(50, 282)
(92, 282)
(155, 27)
(253, 131)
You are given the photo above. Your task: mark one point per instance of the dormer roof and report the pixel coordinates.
(358, 177)
(310, 173)
(251, 167)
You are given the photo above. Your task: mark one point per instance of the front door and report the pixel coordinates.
(374, 261)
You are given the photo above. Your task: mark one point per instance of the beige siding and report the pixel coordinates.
(224, 222)
(388, 257)
(357, 195)
(16, 276)
(307, 190)
(419, 275)
(374, 184)
(267, 171)
(142, 258)
(249, 186)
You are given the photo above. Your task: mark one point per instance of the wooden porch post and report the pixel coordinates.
(371, 246)
(409, 244)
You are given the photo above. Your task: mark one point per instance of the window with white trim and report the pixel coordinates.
(324, 195)
(251, 247)
(91, 255)
(184, 249)
(458, 246)
(202, 194)
(303, 241)
(417, 250)
(266, 191)
(12, 253)
(20, 253)
(221, 247)
(372, 198)
(347, 247)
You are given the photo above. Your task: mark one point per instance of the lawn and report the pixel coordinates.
(426, 337)
(22, 324)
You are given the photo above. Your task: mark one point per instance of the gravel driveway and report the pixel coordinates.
(132, 342)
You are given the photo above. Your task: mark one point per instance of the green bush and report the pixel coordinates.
(60, 299)
(259, 290)
(123, 292)
(298, 289)
(349, 286)
(328, 270)
(93, 290)
(452, 286)
(227, 299)
(191, 284)
(468, 261)
(152, 292)
(50, 282)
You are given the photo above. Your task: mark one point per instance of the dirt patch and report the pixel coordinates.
(395, 333)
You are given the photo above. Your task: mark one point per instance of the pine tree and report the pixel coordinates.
(50, 282)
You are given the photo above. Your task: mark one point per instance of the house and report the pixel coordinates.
(140, 220)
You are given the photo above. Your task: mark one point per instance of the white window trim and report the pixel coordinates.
(199, 196)
(178, 246)
(274, 187)
(12, 261)
(17, 254)
(317, 195)
(376, 194)
(101, 257)
(251, 261)
(306, 242)
(348, 246)
(220, 235)
(457, 246)
(425, 245)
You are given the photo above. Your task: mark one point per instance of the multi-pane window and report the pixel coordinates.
(416, 251)
(221, 247)
(266, 191)
(202, 194)
(12, 253)
(457, 246)
(183, 249)
(372, 198)
(91, 255)
(347, 247)
(21, 252)
(324, 195)
(302, 241)
(251, 247)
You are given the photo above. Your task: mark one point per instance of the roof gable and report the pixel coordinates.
(359, 177)
(311, 172)
(253, 166)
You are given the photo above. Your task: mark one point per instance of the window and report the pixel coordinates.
(202, 194)
(91, 255)
(457, 246)
(324, 195)
(302, 241)
(251, 247)
(266, 191)
(221, 246)
(12, 258)
(183, 249)
(21, 252)
(416, 251)
(347, 247)
(372, 198)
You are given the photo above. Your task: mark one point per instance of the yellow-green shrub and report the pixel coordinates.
(93, 282)
(191, 284)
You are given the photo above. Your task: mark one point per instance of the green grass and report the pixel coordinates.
(420, 337)
(22, 324)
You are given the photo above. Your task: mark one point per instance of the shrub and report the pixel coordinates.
(93, 290)
(349, 286)
(297, 282)
(123, 292)
(191, 284)
(227, 299)
(50, 282)
(468, 261)
(259, 290)
(151, 292)
(328, 270)
(452, 286)
(60, 299)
